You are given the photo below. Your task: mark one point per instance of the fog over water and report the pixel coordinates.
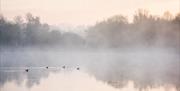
(105, 69)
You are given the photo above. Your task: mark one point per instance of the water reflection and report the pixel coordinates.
(18, 75)
(71, 81)
(146, 69)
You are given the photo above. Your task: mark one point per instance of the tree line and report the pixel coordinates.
(115, 32)
(145, 30)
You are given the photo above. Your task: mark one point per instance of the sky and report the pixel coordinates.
(84, 12)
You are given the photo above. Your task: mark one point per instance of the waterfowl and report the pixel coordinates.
(27, 70)
(78, 68)
(64, 67)
(47, 67)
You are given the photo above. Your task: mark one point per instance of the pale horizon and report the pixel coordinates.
(84, 12)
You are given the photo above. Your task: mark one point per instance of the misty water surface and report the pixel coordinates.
(115, 70)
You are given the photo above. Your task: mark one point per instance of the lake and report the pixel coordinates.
(89, 70)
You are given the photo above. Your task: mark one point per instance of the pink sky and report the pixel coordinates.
(84, 12)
